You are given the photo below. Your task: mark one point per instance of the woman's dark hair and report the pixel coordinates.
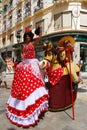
(30, 34)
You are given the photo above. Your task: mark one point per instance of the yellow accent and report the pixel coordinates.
(63, 39)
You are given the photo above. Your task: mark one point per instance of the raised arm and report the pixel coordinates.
(39, 33)
(38, 39)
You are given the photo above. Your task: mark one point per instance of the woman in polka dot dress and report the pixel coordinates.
(29, 98)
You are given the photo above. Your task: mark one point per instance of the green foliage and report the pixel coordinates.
(5, 7)
(18, 50)
(0, 11)
(10, 2)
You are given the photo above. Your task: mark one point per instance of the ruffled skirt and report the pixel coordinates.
(29, 97)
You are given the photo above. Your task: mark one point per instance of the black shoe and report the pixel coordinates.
(75, 86)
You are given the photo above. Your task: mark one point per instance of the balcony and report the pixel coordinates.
(9, 26)
(5, 10)
(38, 6)
(4, 28)
(10, 7)
(19, 18)
(62, 1)
(19, 15)
(26, 14)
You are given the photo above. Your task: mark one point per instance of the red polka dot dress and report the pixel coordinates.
(55, 74)
(29, 97)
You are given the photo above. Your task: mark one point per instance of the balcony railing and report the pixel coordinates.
(37, 8)
(19, 18)
(9, 25)
(26, 14)
(10, 7)
(4, 28)
(68, 1)
(53, 1)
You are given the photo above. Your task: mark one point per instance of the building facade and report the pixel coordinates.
(0, 13)
(58, 18)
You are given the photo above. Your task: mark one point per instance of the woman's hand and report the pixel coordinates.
(39, 36)
(43, 64)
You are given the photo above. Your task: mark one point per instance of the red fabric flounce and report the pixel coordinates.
(55, 75)
(29, 110)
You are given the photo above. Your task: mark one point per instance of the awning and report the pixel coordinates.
(79, 36)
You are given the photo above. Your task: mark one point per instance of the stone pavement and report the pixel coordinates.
(52, 120)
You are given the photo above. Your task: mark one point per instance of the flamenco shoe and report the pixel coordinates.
(42, 115)
(75, 86)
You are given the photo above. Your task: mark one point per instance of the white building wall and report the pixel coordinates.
(75, 7)
(47, 16)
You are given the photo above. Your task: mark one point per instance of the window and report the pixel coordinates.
(10, 2)
(62, 20)
(5, 8)
(38, 5)
(11, 39)
(19, 14)
(4, 42)
(66, 19)
(10, 21)
(83, 56)
(83, 19)
(28, 8)
(4, 25)
(57, 21)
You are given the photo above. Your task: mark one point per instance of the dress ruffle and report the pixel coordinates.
(31, 115)
(26, 113)
(29, 97)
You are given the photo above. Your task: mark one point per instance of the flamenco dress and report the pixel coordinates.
(29, 97)
(60, 97)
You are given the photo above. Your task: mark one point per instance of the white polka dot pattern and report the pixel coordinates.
(55, 75)
(29, 97)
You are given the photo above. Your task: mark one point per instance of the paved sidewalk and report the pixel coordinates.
(52, 120)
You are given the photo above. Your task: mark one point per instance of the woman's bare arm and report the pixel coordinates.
(38, 39)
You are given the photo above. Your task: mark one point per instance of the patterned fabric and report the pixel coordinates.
(55, 75)
(29, 97)
(28, 51)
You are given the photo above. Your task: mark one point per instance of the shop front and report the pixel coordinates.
(83, 57)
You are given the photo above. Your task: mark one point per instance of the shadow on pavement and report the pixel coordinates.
(11, 128)
(82, 90)
(2, 111)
